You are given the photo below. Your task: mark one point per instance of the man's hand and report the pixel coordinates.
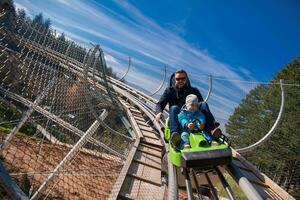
(158, 116)
(190, 125)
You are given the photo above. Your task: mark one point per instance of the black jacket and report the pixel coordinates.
(175, 96)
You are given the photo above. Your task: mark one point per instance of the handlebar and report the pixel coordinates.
(196, 129)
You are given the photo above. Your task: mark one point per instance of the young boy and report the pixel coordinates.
(191, 118)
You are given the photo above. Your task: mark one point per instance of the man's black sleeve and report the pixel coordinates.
(164, 99)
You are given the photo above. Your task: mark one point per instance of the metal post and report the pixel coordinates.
(128, 126)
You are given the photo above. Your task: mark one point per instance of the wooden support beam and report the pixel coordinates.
(146, 164)
(144, 179)
(146, 152)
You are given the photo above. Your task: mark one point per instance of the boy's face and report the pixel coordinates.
(192, 107)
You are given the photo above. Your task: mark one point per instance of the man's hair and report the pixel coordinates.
(181, 71)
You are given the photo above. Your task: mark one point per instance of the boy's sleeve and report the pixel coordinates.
(182, 119)
(201, 117)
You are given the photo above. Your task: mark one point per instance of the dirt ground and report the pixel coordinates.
(87, 176)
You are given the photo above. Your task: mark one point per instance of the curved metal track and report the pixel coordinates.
(128, 68)
(162, 84)
(209, 89)
(271, 131)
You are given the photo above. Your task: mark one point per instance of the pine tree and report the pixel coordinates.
(38, 19)
(21, 13)
(47, 23)
(255, 115)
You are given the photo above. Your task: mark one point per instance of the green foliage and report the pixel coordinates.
(62, 37)
(239, 194)
(257, 112)
(47, 23)
(38, 19)
(21, 13)
(110, 72)
(28, 129)
(8, 113)
(25, 184)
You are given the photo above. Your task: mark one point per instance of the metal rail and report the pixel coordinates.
(271, 131)
(128, 68)
(209, 89)
(162, 84)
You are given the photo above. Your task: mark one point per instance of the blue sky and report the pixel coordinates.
(233, 40)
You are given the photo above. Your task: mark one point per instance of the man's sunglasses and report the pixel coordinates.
(180, 79)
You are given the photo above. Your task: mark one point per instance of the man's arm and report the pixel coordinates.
(161, 104)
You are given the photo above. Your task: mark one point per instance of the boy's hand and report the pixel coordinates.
(200, 126)
(190, 125)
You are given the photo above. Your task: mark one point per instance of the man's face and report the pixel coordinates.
(180, 80)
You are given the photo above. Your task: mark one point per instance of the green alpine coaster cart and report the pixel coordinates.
(201, 155)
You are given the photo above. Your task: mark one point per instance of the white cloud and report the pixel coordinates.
(143, 79)
(116, 65)
(135, 76)
(65, 2)
(140, 34)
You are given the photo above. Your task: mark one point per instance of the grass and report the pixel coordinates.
(5, 130)
(239, 194)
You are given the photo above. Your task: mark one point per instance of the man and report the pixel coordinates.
(175, 95)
